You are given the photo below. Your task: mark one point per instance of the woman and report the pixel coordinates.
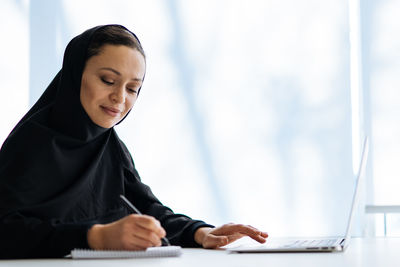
(63, 167)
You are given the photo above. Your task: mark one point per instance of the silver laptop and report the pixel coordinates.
(319, 244)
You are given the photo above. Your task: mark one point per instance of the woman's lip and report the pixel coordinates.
(111, 111)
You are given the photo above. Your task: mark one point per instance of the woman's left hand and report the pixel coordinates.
(227, 233)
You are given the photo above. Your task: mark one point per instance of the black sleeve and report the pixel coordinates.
(27, 237)
(180, 228)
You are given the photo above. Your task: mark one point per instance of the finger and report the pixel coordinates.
(229, 229)
(234, 237)
(233, 229)
(212, 241)
(147, 235)
(150, 223)
(256, 234)
(137, 243)
(262, 234)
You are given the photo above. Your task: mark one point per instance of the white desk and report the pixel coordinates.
(382, 252)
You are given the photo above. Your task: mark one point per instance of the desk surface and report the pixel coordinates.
(363, 252)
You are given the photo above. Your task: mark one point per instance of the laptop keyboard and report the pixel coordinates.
(313, 243)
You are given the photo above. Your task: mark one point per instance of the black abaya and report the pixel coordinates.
(60, 174)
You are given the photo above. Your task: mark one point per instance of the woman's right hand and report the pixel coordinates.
(133, 232)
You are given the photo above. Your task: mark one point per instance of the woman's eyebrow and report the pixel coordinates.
(118, 73)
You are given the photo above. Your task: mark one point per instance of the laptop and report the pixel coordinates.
(317, 244)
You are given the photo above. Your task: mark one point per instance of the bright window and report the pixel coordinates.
(246, 111)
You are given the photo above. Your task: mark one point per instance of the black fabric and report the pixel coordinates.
(60, 173)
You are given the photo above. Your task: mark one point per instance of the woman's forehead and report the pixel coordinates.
(121, 59)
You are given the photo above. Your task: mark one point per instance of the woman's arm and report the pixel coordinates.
(180, 228)
(27, 237)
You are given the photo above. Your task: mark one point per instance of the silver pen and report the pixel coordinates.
(135, 210)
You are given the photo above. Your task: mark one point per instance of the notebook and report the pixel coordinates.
(152, 252)
(314, 245)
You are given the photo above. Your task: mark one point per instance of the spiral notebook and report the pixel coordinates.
(153, 252)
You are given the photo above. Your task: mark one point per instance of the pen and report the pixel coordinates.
(135, 210)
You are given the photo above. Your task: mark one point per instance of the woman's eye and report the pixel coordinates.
(133, 91)
(107, 82)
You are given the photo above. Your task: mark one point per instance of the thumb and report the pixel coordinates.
(212, 241)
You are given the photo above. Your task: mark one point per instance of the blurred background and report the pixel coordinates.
(251, 111)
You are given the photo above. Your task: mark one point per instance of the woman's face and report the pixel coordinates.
(110, 83)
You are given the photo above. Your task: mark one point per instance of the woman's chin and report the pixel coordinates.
(106, 124)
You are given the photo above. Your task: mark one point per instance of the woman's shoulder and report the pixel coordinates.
(28, 129)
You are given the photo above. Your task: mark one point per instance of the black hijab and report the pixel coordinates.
(57, 163)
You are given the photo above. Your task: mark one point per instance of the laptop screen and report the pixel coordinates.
(360, 174)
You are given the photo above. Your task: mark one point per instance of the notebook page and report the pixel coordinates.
(152, 252)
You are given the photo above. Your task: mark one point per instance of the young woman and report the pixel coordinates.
(63, 167)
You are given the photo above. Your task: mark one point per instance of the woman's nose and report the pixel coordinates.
(118, 96)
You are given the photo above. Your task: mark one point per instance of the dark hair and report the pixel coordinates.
(113, 35)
